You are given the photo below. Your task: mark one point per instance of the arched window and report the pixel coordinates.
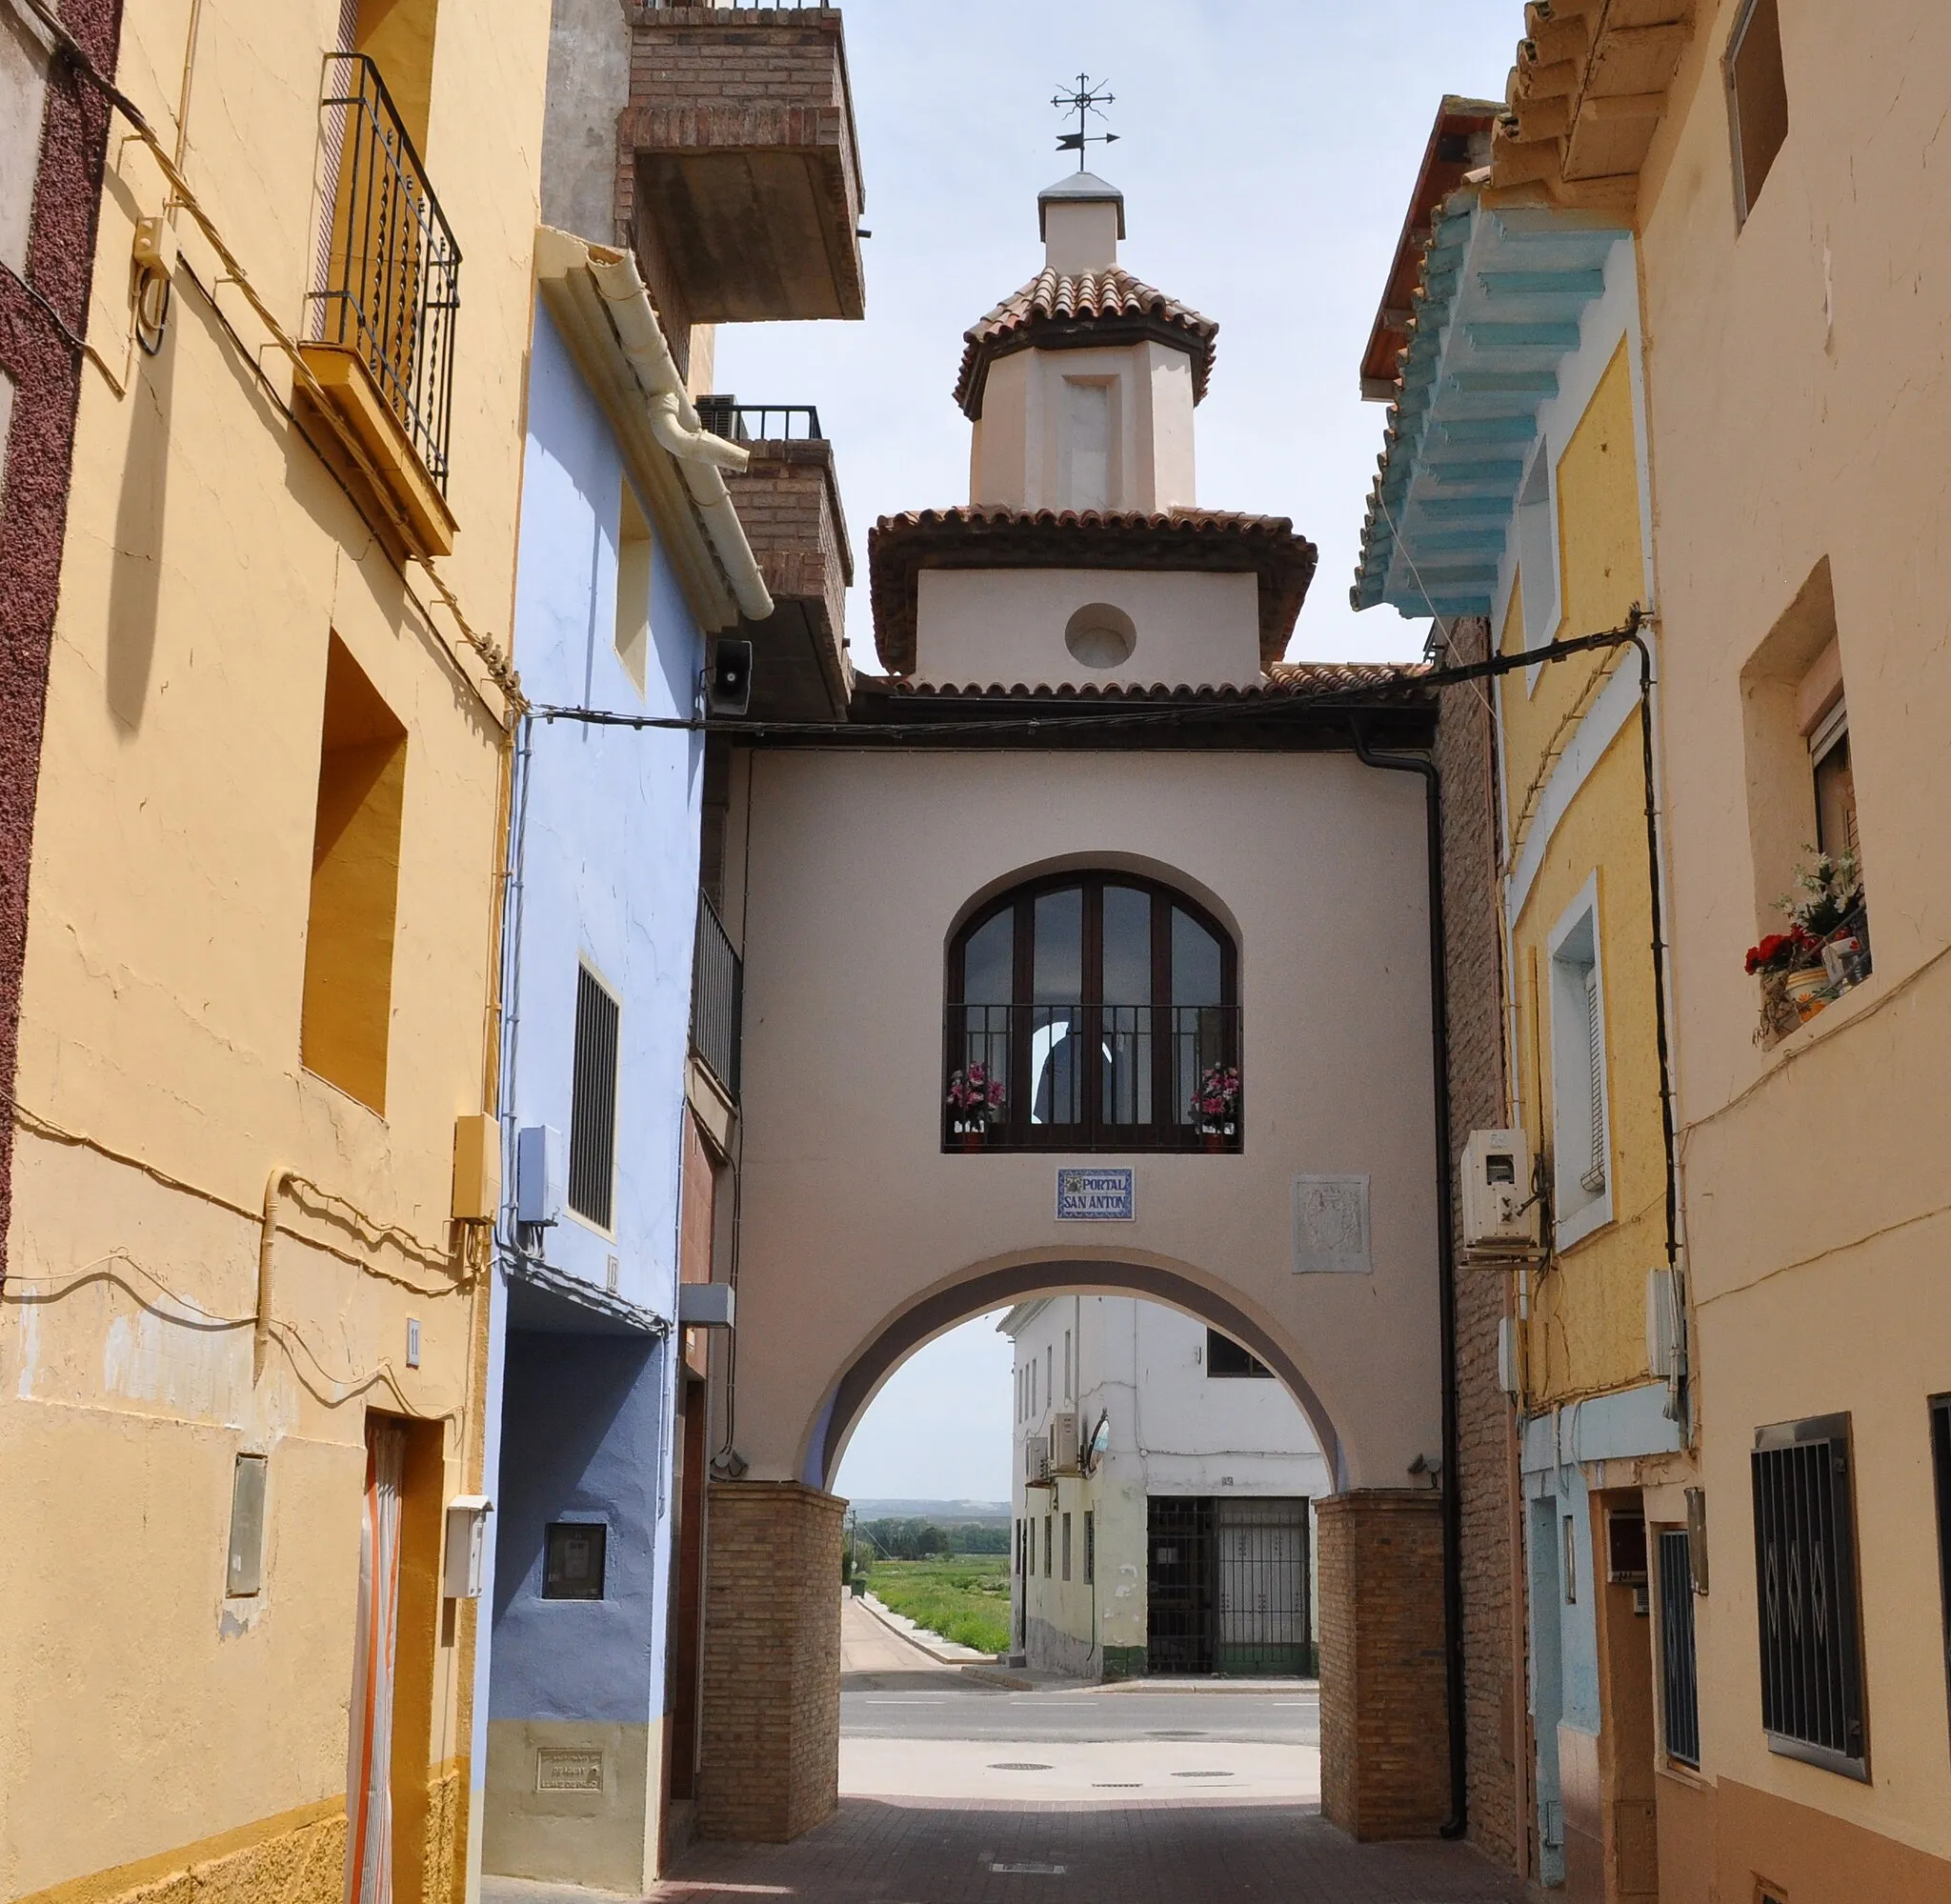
(1092, 1012)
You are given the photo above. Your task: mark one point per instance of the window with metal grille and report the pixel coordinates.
(1046, 1547)
(1679, 1702)
(593, 1101)
(1580, 1139)
(1940, 1467)
(1066, 1546)
(1811, 1679)
(1089, 1548)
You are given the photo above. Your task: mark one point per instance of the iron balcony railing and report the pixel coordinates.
(718, 998)
(388, 269)
(759, 422)
(1092, 1077)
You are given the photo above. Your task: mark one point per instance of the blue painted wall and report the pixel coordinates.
(607, 824)
(583, 1419)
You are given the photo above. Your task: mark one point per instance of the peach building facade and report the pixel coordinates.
(1775, 160)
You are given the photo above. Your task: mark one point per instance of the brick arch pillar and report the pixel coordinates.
(769, 1743)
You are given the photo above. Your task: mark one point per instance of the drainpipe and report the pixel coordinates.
(700, 455)
(1455, 1824)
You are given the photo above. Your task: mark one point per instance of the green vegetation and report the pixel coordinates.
(920, 1539)
(965, 1598)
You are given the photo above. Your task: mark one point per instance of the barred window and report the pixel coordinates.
(1940, 1465)
(1680, 1683)
(1812, 1678)
(593, 1101)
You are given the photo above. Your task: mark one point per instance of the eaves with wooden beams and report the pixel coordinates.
(1584, 101)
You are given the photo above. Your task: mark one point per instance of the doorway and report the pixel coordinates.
(1228, 1587)
(393, 1657)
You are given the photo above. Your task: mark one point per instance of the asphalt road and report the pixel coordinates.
(947, 1707)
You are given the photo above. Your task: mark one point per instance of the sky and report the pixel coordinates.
(1266, 151)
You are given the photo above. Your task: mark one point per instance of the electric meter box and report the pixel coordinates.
(1499, 1213)
(466, 1546)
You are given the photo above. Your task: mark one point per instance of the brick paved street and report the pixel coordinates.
(881, 1851)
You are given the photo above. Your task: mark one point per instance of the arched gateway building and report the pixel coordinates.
(1091, 953)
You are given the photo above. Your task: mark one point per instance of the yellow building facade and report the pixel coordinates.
(1513, 499)
(241, 1340)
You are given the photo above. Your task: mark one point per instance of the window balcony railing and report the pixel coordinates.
(759, 422)
(389, 276)
(717, 999)
(1092, 1077)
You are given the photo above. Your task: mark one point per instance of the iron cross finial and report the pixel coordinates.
(1083, 101)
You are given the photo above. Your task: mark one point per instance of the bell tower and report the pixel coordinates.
(1081, 386)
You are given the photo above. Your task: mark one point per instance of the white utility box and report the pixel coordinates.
(466, 1546)
(1037, 1459)
(1063, 1442)
(540, 1176)
(1499, 1213)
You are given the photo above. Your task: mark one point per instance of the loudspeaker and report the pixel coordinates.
(728, 680)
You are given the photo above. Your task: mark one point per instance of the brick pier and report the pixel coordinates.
(1385, 1759)
(769, 1749)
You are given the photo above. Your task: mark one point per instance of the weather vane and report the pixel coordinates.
(1083, 101)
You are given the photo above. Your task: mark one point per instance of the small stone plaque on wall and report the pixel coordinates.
(562, 1769)
(1330, 1226)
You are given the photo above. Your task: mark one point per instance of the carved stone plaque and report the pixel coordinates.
(1330, 1226)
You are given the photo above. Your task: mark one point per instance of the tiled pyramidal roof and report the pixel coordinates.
(1093, 299)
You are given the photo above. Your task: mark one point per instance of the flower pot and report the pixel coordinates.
(968, 1140)
(1213, 1140)
(1804, 990)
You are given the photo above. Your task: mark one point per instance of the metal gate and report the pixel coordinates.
(1228, 1586)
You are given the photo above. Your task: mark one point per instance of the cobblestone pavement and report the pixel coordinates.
(883, 1850)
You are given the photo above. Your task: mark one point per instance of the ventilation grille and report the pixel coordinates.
(593, 1109)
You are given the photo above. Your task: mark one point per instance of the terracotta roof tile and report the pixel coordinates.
(1050, 305)
(1218, 541)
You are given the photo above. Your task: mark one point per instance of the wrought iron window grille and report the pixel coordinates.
(1811, 1639)
(717, 999)
(389, 268)
(1679, 1684)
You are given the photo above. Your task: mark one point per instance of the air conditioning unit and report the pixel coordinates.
(1036, 1460)
(1499, 1213)
(1063, 1442)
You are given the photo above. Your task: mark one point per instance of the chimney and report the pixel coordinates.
(1082, 219)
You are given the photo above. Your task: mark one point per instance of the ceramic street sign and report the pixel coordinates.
(1096, 1195)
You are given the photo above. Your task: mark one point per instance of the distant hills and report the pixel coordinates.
(966, 1513)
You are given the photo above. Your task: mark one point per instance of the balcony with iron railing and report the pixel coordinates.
(740, 172)
(384, 305)
(789, 502)
(760, 422)
(717, 1000)
(1080, 1077)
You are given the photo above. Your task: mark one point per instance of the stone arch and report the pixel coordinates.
(996, 1286)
